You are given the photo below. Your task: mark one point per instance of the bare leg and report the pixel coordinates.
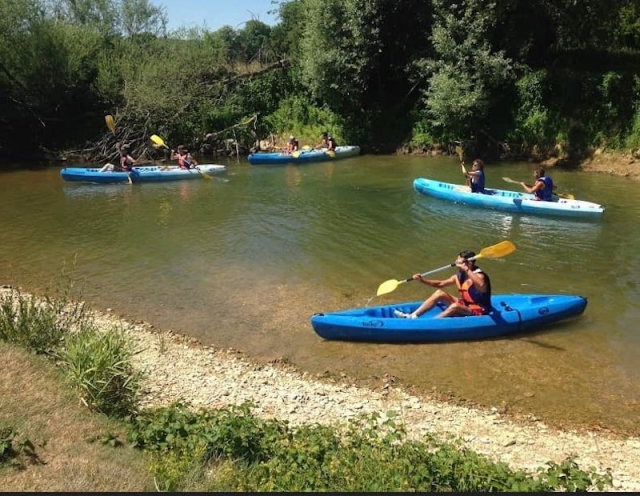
(107, 167)
(455, 309)
(438, 297)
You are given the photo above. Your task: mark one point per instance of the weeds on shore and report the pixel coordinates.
(244, 453)
(96, 363)
(14, 447)
(98, 366)
(232, 450)
(39, 325)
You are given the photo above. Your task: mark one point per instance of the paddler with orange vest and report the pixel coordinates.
(184, 158)
(474, 289)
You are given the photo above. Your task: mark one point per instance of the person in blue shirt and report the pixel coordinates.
(476, 176)
(542, 188)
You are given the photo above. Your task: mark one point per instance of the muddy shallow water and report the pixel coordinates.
(244, 261)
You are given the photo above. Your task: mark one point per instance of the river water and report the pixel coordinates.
(243, 261)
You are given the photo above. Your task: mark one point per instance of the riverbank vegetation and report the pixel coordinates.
(48, 436)
(519, 79)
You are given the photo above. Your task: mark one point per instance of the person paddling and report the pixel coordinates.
(184, 158)
(126, 162)
(476, 176)
(474, 289)
(292, 145)
(542, 188)
(327, 142)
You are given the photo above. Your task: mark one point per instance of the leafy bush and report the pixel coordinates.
(231, 432)
(295, 115)
(12, 446)
(371, 455)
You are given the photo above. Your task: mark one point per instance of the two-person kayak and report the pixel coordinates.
(303, 156)
(147, 174)
(511, 201)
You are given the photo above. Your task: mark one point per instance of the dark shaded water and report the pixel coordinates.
(244, 261)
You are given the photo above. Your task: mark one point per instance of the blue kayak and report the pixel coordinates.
(303, 156)
(511, 201)
(511, 314)
(139, 174)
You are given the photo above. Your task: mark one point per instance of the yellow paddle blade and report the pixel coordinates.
(306, 148)
(295, 154)
(502, 249)
(387, 287)
(567, 196)
(203, 174)
(158, 140)
(110, 123)
(331, 153)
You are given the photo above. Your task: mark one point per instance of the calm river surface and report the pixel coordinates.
(243, 261)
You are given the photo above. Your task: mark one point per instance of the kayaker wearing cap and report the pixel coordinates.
(474, 289)
(126, 161)
(292, 144)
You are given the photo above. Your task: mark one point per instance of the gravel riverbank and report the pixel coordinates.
(180, 368)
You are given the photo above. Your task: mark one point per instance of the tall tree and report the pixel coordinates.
(142, 17)
(354, 54)
(466, 73)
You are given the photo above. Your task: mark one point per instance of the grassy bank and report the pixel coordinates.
(50, 391)
(70, 444)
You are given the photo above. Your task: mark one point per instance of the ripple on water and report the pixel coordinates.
(245, 263)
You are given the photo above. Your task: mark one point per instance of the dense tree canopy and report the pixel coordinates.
(555, 76)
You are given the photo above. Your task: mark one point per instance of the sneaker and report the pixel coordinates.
(403, 315)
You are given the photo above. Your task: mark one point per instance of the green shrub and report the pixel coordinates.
(177, 469)
(229, 433)
(297, 116)
(371, 455)
(98, 365)
(12, 446)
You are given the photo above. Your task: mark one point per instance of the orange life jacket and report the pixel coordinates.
(470, 296)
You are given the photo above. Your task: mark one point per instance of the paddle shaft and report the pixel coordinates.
(501, 249)
(440, 268)
(568, 196)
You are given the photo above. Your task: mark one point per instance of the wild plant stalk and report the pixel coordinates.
(39, 324)
(98, 365)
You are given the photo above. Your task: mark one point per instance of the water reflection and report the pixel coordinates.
(245, 262)
(91, 190)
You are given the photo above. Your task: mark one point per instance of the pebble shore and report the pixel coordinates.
(180, 368)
